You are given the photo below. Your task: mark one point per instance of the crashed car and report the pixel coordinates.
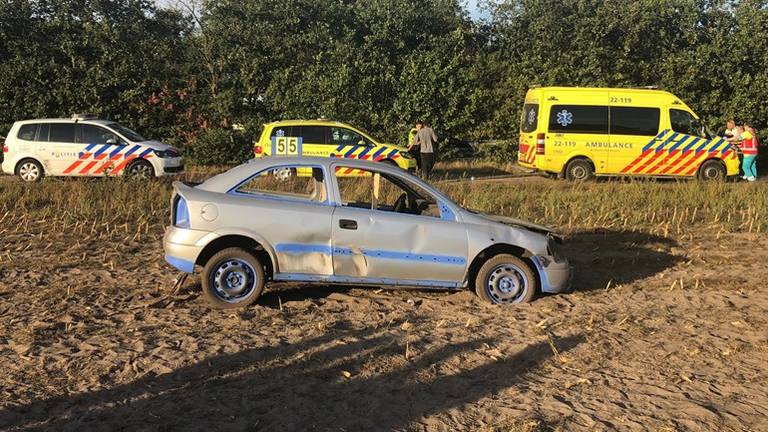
(379, 227)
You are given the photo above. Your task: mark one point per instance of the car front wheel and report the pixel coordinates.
(505, 280)
(233, 278)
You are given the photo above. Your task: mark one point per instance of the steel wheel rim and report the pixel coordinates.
(579, 172)
(141, 170)
(29, 171)
(506, 284)
(711, 173)
(233, 280)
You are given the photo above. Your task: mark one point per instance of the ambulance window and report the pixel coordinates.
(282, 131)
(578, 119)
(682, 121)
(343, 136)
(530, 118)
(310, 134)
(635, 121)
(27, 132)
(62, 132)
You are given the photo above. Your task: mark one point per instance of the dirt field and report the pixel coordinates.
(662, 334)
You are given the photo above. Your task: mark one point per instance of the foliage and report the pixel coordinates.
(379, 64)
(221, 147)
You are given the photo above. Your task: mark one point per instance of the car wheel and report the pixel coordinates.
(284, 174)
(712, 170)
(505, 280)
(233, 278)
(141, 169)
(30, 170)
(579, 170)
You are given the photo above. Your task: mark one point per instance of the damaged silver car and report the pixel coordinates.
(351, 222)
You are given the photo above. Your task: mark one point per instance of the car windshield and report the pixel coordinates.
(125, 132)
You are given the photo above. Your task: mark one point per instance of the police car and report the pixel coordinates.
(84, 146)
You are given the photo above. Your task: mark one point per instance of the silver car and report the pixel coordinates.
(350, 222)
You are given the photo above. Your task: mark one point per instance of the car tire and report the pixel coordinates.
(579, 170)
(712, 170)
(141, 169)
(505, 280)
(233, 278)
(30, 170)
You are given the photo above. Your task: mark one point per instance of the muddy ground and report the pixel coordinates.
(662, 334)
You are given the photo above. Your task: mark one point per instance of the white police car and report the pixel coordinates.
(84, 146)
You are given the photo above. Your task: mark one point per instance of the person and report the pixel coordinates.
(748, 145)
(426, 140)
(730, 130)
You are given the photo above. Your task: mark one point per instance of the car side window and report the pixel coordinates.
(374, 190)
(342, 136)
(586, 119)
(287, 182)
(62, 132)
(682, 121)
(27, 132)
(90, 134)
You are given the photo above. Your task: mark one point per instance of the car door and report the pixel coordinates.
(100, 150)
(63, 151)
(373, 243)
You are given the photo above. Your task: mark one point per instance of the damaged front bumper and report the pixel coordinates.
(555, 276)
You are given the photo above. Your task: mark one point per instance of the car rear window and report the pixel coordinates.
(62, 132)
(530, 119)
(635, 121)
(579, 119)
(27, 132)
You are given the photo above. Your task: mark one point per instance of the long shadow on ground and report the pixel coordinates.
(293, 387)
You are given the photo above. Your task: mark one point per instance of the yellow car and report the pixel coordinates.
(324, 138)
(578, 133)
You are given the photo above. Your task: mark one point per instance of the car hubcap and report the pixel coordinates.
(29, 172)
(711, 173)
(142, 170)
(579, 172)
(233, 280)
(506, 284)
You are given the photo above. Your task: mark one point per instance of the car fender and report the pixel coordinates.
(236, 231)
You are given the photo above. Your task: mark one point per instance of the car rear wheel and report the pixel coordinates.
(141, 169)
(30, 170)
(712, 170)
(505, 280)
(233, 278)
(579, 170)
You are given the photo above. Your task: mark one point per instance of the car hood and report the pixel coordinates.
(519, 223)
(157, 145)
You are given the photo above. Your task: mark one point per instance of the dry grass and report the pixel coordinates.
(106, 205)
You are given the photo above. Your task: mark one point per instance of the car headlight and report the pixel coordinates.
(406, 155)
(166, 154)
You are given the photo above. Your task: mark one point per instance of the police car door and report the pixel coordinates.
(63, 151)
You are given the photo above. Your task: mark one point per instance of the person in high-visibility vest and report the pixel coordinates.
(748, 146)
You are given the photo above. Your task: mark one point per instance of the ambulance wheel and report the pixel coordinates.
(141, 169)
(505, 280)
(30, 170)
(233, 278)
(712, 170)
(579, 170)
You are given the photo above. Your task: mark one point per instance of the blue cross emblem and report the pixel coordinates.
(564, 118)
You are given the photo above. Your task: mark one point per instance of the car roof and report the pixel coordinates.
(66, 120)
(318, 122)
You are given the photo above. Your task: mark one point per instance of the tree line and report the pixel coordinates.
(188, 72)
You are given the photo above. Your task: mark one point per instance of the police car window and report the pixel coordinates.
(530, 118)
(129, 134)
(682, 121)
(344, 136)
(89, 134)
(27, 132)
(292, 182)
(62, 132)
(578, 119)
(310, 134)
(42, 132)
(635, 121)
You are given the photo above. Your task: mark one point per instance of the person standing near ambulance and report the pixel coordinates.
(426, 141)
(748, 146)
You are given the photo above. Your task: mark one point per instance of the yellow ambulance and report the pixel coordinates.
(325, 138)
(578, 133)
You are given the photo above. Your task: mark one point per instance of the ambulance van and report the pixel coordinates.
(577, 133)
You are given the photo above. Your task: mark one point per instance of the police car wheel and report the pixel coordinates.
(30, 170)
(284, 174)
(712, 171)
(505, 280)
(233, 278)
(141, 169)
(579, 170)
